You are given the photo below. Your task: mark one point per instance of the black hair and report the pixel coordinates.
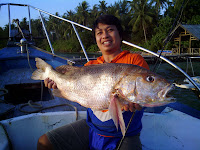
(109, 20)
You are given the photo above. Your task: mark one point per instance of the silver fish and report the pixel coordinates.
(107, 86)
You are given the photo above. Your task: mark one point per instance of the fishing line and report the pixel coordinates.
(126, 130)
(166, 41)
(169, 36)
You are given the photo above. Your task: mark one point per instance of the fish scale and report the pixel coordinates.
(107, 86)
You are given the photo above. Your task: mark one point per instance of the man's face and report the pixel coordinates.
(107, 38)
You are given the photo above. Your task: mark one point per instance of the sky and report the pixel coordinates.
(51, 6)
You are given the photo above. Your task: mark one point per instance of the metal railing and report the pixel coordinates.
(73, 25)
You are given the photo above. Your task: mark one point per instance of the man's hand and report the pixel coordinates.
(50, 83)
(132, 107)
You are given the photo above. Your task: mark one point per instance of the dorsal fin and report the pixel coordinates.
(66, 68)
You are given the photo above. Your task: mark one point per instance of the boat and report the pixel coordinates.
(24, 120)
(186, 83)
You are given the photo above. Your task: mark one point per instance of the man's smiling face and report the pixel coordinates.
(107, 38)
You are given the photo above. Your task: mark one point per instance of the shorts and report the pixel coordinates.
(75, 136)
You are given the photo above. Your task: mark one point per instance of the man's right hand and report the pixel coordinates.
(50, 83)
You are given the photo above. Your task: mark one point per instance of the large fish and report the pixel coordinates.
(107, 86)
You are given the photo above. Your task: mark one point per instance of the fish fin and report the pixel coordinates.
(116, 114)
(66, 68)
(58, 93)
(41, 64)
(40, 74)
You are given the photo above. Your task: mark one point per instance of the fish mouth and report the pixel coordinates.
(164, 93)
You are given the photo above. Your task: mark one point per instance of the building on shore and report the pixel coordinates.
(186, 38)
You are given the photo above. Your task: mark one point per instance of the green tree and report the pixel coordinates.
(159, 4)
(189, 10)
(3, 37)
(102, 8)
(53, 26)
(142, 16)
(82, 13)
(194, 20)
(69, 31)
(161, 32)
(93, 13)
(24, 24)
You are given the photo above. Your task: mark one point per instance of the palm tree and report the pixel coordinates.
(114, 10)
(142, 16)
(23, 23)
(159, 4)
(102, 8)
(36, 28)
(93, 14)
(69, 32)
(53, 26)
(82, 13)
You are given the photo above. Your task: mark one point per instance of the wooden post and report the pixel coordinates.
(179, 47)
(190, 41)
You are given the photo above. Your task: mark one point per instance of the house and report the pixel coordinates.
(188, 33)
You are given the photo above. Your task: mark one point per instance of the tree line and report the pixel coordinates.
(145, 23)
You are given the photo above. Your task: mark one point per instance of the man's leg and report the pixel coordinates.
(72, 136)
(44, 143)
(131, 143)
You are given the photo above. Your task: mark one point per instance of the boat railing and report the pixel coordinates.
(189, 63)
(82, 26)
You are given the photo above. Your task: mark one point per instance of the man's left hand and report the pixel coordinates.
(132, 107)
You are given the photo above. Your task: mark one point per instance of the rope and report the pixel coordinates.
(4, 101)
(28, 59)
(5, 92)
(36, 105)
(17, 22)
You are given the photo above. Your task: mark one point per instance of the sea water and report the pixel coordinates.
(185, 96)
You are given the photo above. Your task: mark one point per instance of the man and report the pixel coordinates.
(100, 132)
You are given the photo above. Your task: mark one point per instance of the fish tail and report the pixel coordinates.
(42, 70)
(41, 64)
(38, 75)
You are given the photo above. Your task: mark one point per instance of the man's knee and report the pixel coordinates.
(44, 143)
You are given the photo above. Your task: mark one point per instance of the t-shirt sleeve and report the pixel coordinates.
(140, 61)
(90, 62)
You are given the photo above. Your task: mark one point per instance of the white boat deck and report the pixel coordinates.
(170, 130)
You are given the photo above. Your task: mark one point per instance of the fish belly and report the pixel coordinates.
(87, 90)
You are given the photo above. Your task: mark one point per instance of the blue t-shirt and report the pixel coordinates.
(104, 134)
(98, 128)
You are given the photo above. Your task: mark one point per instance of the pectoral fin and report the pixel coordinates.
(116, 114)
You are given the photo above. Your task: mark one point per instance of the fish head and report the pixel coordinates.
(146, 88)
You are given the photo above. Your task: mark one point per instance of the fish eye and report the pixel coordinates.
(150, 78)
